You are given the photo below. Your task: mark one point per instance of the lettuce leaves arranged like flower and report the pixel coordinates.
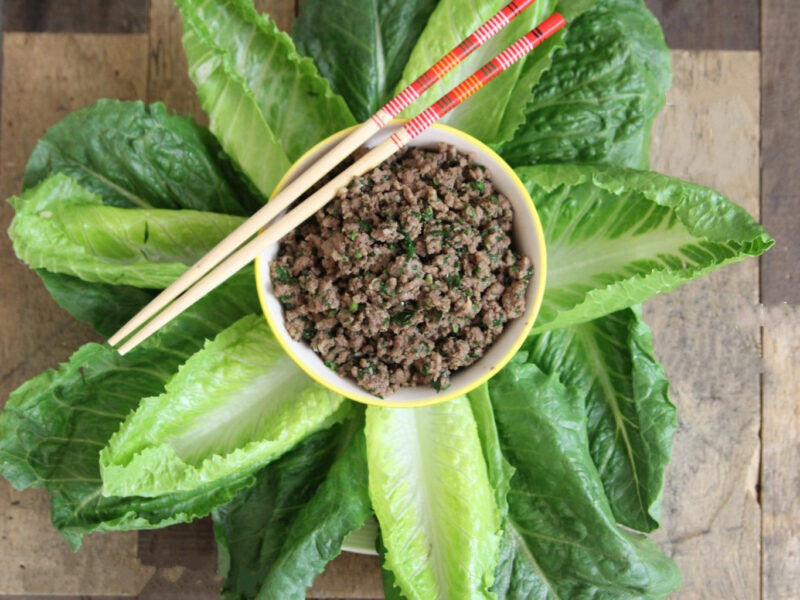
(540, 484)
(236, 405)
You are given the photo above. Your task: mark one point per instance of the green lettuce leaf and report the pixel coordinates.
(562, 540)
(64, 228)
(497, 467)
(105, 307)
(276, 536)
(232, 408)
(295, 101)
(53, 427)
(433, 499)
(339, 506)
(598, 102)
(362, 57)
(616, 237)
(233, 112)
(610, 363)
(493, 113)
(132, 155)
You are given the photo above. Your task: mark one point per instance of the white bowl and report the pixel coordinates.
(527, 238)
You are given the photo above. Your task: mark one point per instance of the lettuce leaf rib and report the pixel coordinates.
(609, 362)
(617, 237)
(431, 493)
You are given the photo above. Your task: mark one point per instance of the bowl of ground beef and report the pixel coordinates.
(417, 282)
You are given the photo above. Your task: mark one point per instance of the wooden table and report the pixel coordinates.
(729, 342)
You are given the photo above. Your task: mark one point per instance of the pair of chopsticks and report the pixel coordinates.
(229, 256)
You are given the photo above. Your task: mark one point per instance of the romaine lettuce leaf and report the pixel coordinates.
(339, 506)
(610, 363)
(433, 499)
(616, 237)
(53, 427)
(295, 101)
(598, 101)
(362, 57)
(493, 113)
(132, 155)
(498, 468)
(275, 533)
(64, 228)
(562, 540)
(233, 407)
(233, 112)
(105, 307)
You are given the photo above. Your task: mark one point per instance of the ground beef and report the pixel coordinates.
(408, 275)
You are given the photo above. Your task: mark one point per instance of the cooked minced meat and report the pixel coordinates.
(407, 275)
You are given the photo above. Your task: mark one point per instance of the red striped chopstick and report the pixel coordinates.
(449, 61)
(479, 79)
(280, 227)
(322, 167)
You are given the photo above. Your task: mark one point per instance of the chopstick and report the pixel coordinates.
(323, 166)
(398, 140)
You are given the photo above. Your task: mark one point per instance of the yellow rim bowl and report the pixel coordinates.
(527, 238)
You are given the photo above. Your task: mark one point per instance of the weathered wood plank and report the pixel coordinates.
(168, 81)
(780, 472)
(707, 334)
(708, 24)
(75, 16)
(46, 77)
(780, 144)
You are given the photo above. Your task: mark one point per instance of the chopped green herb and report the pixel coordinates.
(357, 255)
(282, 275)
(353, 235)
(364, 226)
(478, 185)
(403, 317)
(453, 280)
(353, 306)
(427, 215)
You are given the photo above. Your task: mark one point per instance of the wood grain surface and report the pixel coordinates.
(780, 142)
(75, 16)
(731, 515)
(707, 334)
(709, 24)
